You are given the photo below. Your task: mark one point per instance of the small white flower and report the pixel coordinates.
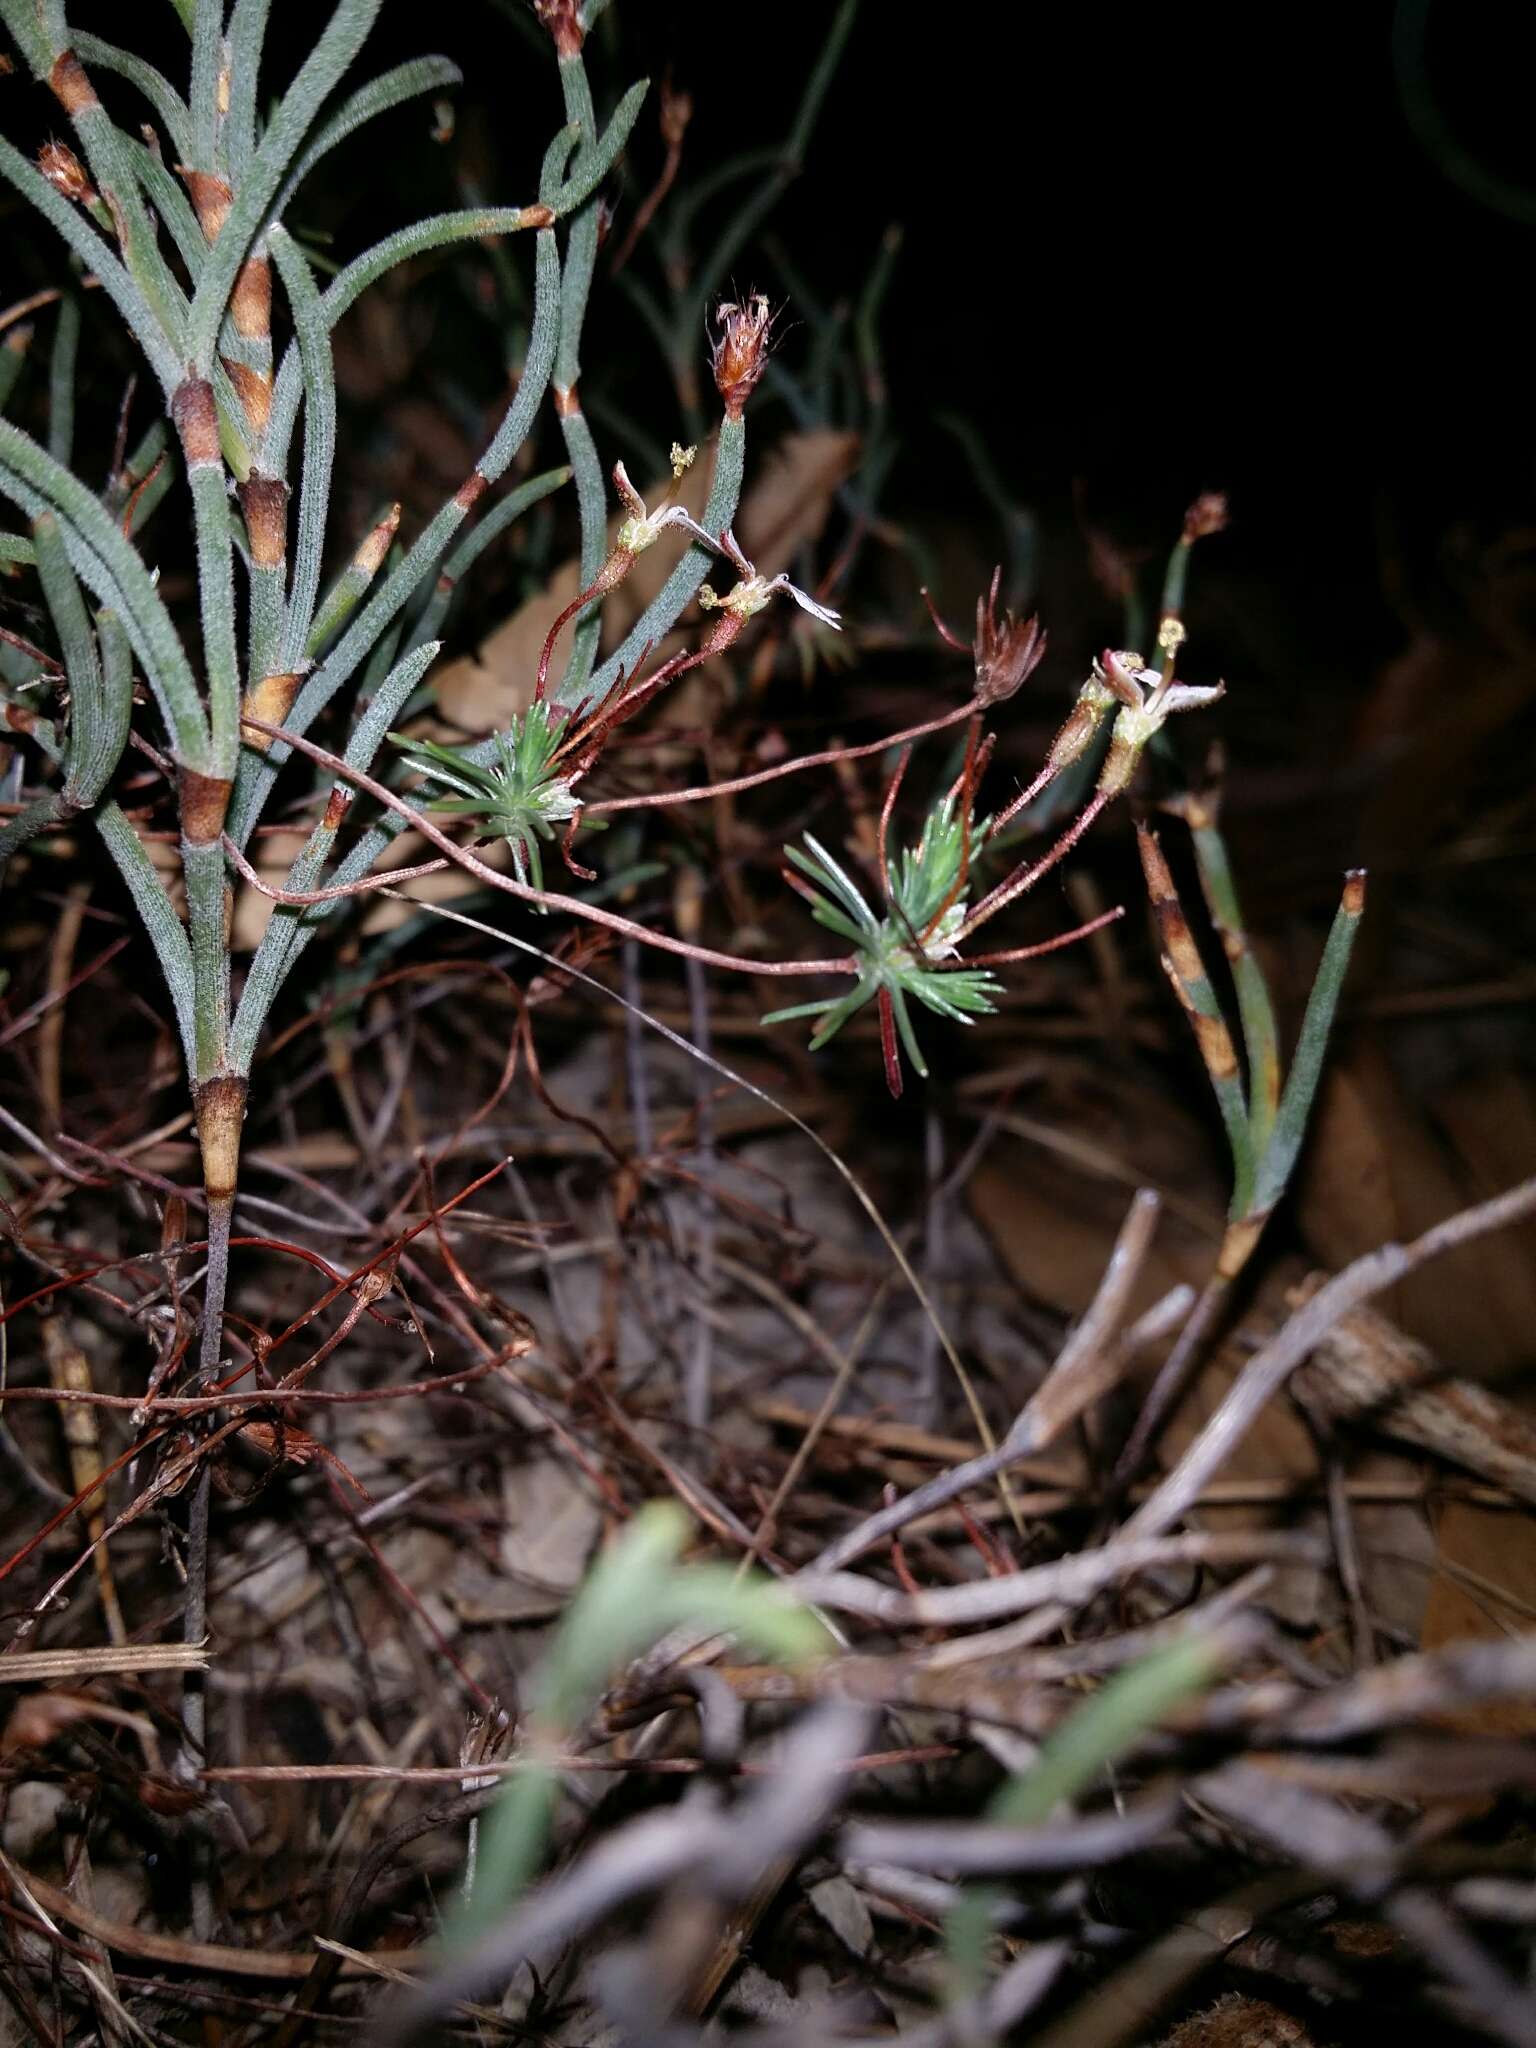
(642, 527)
(1146, 697)
(754, 593)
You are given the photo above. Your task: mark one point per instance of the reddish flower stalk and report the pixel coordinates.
(832, 757)
(636, 533)
(591, 913)
(1013, 954)
(1023, 879)
(889, 1051)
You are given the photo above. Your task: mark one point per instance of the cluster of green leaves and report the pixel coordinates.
(909, 951)
(171, 286)
(519, 794)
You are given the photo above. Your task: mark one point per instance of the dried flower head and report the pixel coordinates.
(739, 353)
(1006, 651)
(563, 20)
(65, 172)
(1206, 516)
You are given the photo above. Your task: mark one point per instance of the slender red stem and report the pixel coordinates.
(829, 759)
(1025, 878)
(1025, 797)
(888, 1047)
(1082, 931)
(592, 913)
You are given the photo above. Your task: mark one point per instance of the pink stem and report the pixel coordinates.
(1055, 945)
(547, 899)
(754, 781)
(1016, 884)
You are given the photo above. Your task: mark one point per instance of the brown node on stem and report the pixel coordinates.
(211, 199)
(269, 699)
(253, 388)
(1238, 1244)
(220, 1106)
(1198, 808)
(470, 491)
(375, 544)
(1353, 904)
(250, 303)
(264, 501)
(65, 172)
(197, 422)
(536, 216)
(204, 801)
(1178, 941)
(72, 88)
(337, 805)
(567, 402)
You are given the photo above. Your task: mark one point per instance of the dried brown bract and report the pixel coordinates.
(65, 172)
(1006, 650)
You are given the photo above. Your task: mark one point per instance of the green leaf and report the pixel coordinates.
(314, 341)
(340, 42)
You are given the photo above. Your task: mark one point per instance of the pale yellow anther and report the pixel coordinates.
(682, 458)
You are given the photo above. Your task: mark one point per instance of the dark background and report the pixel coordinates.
(1173, 246)
(1146, 251)
(1153, 248)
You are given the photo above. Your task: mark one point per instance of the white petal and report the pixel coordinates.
(827, 616)
(674, 515)
(1190, 696)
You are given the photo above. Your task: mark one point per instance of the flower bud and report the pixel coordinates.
(1094, 703)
